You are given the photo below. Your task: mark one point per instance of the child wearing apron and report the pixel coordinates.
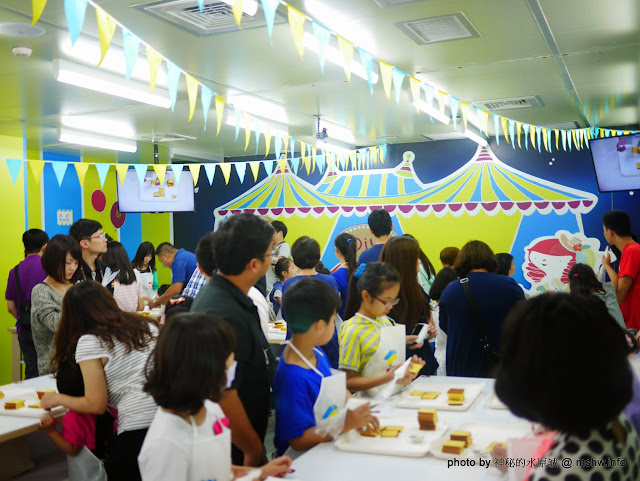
(189, 438)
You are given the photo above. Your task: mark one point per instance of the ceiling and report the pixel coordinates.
(576, 55)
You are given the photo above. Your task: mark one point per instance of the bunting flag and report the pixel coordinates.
(518, 132)
(173, 77)
(75, 11)
(36, 167)
(255, 169)
(103, 170)
(352, 157)
(544, 139)
(360, 163)
(549, 148)
(236, 8)
(241, 169)
(557, 132)
(195, 173)
(314, 156)
(503, 121)
(106, 29)
(414, 85)
(258, 133)
(37, 7)
(539, 136)
(154, 59)
(141, 170)
(201, 5)
(442, 100)
(160, 170)
(177, 172)
(532, 133)
(210, 170)
(455, 103)
(296, 22)
(496, 127)
(285, 143)
(267, 142)
(268, 167)
(483, 115)
(131, 45)
(386, 72)
(429, 91)
(14, 166)
(277, 144)
(247, 129)
(295, 164)
(342, 160)
(323, 36)
(237, 113)
(564, 140)
(206, 94)
(293, 147)
(122, 169)
(512, 128)
(367, 62)
(320, 160)
(525, 128)
(374, 156)
(346, 48)
(383, 153)
(192, 94)
(220, 112)
(282, 163)
(398, 79)
(269, 8)
(464, 110)
(575, 142)
(81, 170)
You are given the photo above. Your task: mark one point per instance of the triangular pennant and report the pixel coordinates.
(37, 7)
(258, 132)
(192, 93)
(236, 8)
(14, 166)
(219, 112)
(386, 72)
(269, 8)
(75, 11)
(195, 173)
(557, 132)
(201, 5)
(320, 161)
(483, 115)
(374, 155)
(311, 159)
(414, 85)
(103, 170)
(106, 29)
(442, 100)
(575, 141)
(247, 129)
(206, 94)
(267, 142)
(295, 164)
(314, 156)
(241, 169)
(352, 157)
(268, 166)
(383, 153)
(496, 127)
(464, 110)
(282, 164)
(398, 78)
(539, 135)
(518, 132)
(322, 37)
(160, 170)
(173, 78)
(154, 59)
(255, 168)
(130, 45)
(285, 143)
(512, 132)
(210, 170)
(544, 139)
(293, 148)
(505, 130)
(237, 113)
(346, 48)
(36, 167)
(141, 170)
(455, 103)
(367, 62)
(177, 172)
(525, 128)
(122, 169)
(277, 144)
(360, 164)
(564, 140)
(296, 22)
(342, 160)
(226, 171)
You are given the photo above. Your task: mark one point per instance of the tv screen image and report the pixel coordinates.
(617, 162)
(150, 196)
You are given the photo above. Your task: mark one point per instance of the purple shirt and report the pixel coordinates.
(31, 273)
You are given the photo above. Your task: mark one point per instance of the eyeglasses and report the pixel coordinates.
(388, 303)
(101, 236)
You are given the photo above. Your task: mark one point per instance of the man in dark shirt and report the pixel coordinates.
(381, 226)
(93, 242)
(242, 251)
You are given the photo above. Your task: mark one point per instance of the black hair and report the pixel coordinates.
(204, 254)
(307, 301)
(380, 222)
(33, 240)
(305, 252)
(177, 304)
(280, 227)
(187, 365)
(282, 266)
(582, 280)
(145, 249)
(165, 247)
(55, 256)
(618, 221)
(163, 288)
(84, 228)
(241, 238)
(552, 357)
(321, 269)
(376, 277)
(504, 263)
(117, 259)
(443, 278)
(348, 247)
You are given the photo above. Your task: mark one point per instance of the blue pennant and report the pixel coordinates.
(398, 77)
(14, 166)
(241, 169)
(320, 162)
(512, 132)
(455, 103)
(141, 170)
(277, 144)
(130, 44)
(173, 77)
(367, 62)
(60, 168)
(496, 126)
(210, 170)
(177, 171)
(269, 8)
(75, 11)
(238, 115)
(295, 164)
(322, 36)
(103, 170)
(268, 166)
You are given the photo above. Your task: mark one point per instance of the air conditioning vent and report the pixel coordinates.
(393, 3)
(511, 103)
(390, 137)
(438, 29)
(165, 137)
(444, 136)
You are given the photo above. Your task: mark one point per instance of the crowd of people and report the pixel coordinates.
(190, 397)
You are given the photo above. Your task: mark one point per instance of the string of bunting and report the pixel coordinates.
(393, 80)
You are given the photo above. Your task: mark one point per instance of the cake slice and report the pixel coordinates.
(392, 428)
(389, 433)
(418, 393)
(15, 404)
(42, 392)
(35, 405)
(415, 368)
(430, 395)
(369, 434)
(427, 419)
(462, 436)
(455, 395)
(453, 447)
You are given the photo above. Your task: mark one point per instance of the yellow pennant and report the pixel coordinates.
(485, 121)
(192, 93)
(305, 162)
(237, 10)
(81, 170)
(38, 7)
(255, 168)
(532, 132)
(386, 72)
(285, 139)
(161, 170)
(464, 109)
(354, 162)
(219, 112)
(573, 134)
(557, 132)
(503, 121)
(247, 129)
(382, 152)
(303, 151)
(545, 139)
(415, 84)
(36, 167)
(296, 22)
(330, 156)
(154, 59)
(282, 163)
(195, 172)
(314, 151)
(122, 169)
(374, 155)
(267, 141)
(225, 167)
(518, 130)
(626, 132)
(106, 29)
(347, 55)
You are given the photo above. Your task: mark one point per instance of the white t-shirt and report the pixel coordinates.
(166, 452)
(127, 296)
(125, 377)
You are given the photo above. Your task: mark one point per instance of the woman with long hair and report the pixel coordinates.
(583, 281)
(111, 348)
(345, 249)
(426, 271)
(145, 263)
(412, 310)
(127, 286)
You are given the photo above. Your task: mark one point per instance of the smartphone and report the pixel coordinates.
(422, 331)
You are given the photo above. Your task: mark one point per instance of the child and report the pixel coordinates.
(582, 280)
(189, 438)
(307, 393)
(176, 305)
(127, 286)
(372, 346)
(284, 269)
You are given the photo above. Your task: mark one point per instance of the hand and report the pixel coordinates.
(411, 339)
(432, 330)
(47, 424)
(277, 468)
(500, 452)
(49, 401)
(606, 260)
(409, 377)
(361, 417)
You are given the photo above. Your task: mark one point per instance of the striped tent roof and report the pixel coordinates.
(483, 183)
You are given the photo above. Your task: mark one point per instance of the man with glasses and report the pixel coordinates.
(93, 243)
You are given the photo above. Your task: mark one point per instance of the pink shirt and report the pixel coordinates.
(79, 429)
(127, 296)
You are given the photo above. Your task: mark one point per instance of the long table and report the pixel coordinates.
(326, 462)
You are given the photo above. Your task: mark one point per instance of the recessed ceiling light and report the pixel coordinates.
(22, 30)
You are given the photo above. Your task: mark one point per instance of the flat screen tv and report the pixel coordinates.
(616, 161)
(150, 196)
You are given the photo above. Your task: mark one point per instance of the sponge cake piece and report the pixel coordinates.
(453, 447)
(462, 436)
(15, 404)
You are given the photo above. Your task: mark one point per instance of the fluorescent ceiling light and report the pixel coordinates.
(92, 79)
(250, 7)
(328, 147)
(99, 125)
(260, 107)
(231, 120)
(433, 112)
(475, 137)
(94, 140)
(336, 57)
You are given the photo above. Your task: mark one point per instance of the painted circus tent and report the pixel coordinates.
(484, 199)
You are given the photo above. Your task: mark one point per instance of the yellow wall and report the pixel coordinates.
(156, 228)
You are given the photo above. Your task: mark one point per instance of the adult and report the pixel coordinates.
(554, 333)
(443, 278)
(346, 248)
(281, 249)
(206, 265)
(144, 262)
(381, 226)
(127, 286)
(492, 295)
(616, 225)
(93, 243)
(583, 281)
(22, 279)
(111, 347)
(426, 271)
(506, 266)
(242, 250)
(60, 260)
(182, 264)
(448, 256)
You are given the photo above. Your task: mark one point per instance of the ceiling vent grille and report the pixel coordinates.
(438, 29)
(511, 103)
(393, 3)
(390, 137)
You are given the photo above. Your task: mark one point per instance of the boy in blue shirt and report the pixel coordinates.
(307, 393)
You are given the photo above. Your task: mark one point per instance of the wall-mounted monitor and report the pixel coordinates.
(150, 196)
(617, 162)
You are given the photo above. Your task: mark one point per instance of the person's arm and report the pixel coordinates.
(11, 307)
(606, 263)
(242, 433)
(48, 425)
(624, 284)
(359, 383)
(174, 289)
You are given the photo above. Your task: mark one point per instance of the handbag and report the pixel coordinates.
(23, 307)
(492, 356)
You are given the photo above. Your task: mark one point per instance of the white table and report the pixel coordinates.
(325, 462)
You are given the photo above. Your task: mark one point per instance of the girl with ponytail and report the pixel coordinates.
(345, 247)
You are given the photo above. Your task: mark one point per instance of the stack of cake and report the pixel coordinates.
(458, 441)
(456, 397)
(428, 419)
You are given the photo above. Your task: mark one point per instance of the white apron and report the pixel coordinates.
(85, 467)
(391, 353)
(147, 283)
(210, 456)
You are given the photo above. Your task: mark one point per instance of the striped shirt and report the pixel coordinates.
(125, 376)
(359, 340)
